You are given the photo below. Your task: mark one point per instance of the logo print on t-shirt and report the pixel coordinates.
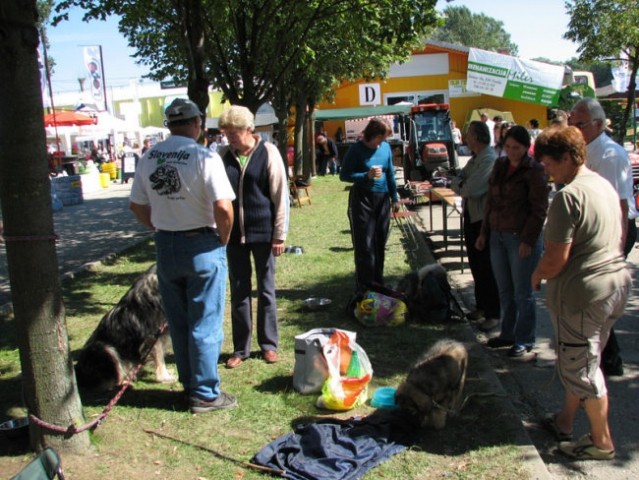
(165, 180)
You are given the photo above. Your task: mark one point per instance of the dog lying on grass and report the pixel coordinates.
(428, 294)
(435, 384)
(123, 336)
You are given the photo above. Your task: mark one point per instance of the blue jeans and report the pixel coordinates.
(516, 297)
(192, 279)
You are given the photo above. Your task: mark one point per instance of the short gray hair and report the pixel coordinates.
(593, 107)
(237, 117)
(481, 131)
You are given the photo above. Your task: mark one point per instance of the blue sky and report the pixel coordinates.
(66, 46)
(535, 26)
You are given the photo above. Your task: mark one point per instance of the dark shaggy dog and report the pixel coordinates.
(435, 383)
(123, 336)
(428, 295)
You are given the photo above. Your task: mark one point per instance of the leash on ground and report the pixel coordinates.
(223, 456)
(73, 429)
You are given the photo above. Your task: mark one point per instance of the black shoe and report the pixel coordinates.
(499, 342)
(475, 315)
(224, 400)
(349, 309)
(519, 350)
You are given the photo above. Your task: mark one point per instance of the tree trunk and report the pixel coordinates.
(282, 135)
(302, 162)
(281, 105)
(25, 192)
(629, 112)
(198, 84)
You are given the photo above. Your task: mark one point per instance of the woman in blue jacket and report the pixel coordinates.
(368, 165)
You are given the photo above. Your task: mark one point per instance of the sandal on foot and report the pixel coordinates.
(584, 449)
(550, 423)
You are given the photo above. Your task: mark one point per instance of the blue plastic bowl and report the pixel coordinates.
(384, 397)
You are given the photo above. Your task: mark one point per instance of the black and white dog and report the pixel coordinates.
(124, 335)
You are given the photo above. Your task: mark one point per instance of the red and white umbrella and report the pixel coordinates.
(68, 119)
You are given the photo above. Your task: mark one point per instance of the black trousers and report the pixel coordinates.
(369, 216)
(240, 275)
(486, 292)
(610, 353)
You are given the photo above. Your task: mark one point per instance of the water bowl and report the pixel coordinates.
(384, 397)
(317, 303)
(16, 428)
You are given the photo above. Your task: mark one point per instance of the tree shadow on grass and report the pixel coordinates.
(171, 399)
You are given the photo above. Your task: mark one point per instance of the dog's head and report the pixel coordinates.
(165, 180)
(426, 408)
(98, 367)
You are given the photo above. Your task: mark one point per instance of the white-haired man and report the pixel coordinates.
(610, 160)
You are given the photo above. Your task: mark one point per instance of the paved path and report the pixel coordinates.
(531, 384)
(88, 232)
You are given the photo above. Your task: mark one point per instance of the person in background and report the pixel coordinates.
(326, 154)
(472, 185)
(212, 142)
(491, 127)
(256, 171)
(515, 212)
(533, 129)
(457, 135)
(181, 192)
(146, 144)
(588, 287)
(611, 161)
(368, 165)
(559, 117)
(500, 138)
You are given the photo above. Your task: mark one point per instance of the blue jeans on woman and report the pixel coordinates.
(516, 297)
(192, 279)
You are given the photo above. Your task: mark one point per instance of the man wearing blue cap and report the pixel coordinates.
(181, 192)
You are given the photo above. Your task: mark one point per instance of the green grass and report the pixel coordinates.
(473, 445)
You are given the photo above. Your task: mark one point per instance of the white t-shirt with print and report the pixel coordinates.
(180, 180)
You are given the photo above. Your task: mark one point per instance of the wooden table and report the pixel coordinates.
(403, 219)
(448, 198)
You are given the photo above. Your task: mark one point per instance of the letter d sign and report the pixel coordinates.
(370, 94)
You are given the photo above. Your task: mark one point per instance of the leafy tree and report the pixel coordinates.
(256, 51)
(47, 370)
(607, 30)
(463, 27)
(369, 41)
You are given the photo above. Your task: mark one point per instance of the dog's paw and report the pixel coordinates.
(165, 377)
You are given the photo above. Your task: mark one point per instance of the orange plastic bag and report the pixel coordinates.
(349, 373)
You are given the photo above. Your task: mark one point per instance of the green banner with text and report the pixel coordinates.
(515, 78)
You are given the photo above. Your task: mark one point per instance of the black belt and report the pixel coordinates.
(190, 233)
